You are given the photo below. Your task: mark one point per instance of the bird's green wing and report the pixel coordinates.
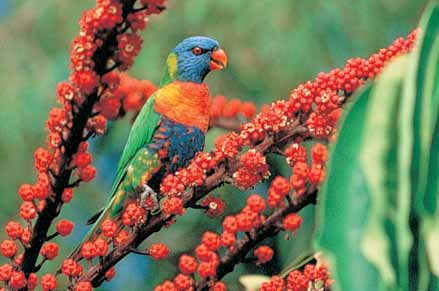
(141, 133)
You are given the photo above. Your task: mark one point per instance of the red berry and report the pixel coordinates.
(158, 251)
(17, 280)
(296, 281)
(264, 254)
(101, 247)
(228, 239)
(231, 108)
(319, 153)
(26, 192)
(48, 282)
(219, 286)
(42, 159)
(87, 173)
(67, 195)
(5, 272)
(32, 281)
(8, 248)
(50, 250)
(109, 228)
(211, 240)
(166, 286)
(64, 227)
(173, 206)
(295, 153)
(230, 224)
(26, 236)
(276, 283)
(248, 109)
(121, 238)
(256, 203)
(206, 269)
(71, 268)
(187, 264)
(86, 81)
(292, 222)
(83, 286)
(88, 250)
(182, 282)
(203, 253)
(82, 160)
(14, 229)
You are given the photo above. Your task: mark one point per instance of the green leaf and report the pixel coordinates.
(366, 187)
(425, 89)
(387, 238)
(345, 202)
(252, 282)
(422, 91)
(383, 174)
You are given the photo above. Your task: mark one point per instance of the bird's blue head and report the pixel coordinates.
(193, 58)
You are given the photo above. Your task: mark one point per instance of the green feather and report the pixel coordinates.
(141, 133)
(170, 71)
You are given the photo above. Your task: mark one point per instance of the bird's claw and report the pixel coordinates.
(148, 192)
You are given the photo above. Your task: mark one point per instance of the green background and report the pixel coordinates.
(273, 45)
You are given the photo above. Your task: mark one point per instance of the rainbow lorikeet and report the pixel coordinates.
(168, 131)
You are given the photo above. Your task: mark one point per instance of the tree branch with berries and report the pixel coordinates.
(299, 129)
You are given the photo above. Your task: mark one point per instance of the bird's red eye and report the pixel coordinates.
(197, 50)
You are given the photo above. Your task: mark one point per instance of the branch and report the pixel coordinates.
(71, 144)
(269, 228)
(224, 172)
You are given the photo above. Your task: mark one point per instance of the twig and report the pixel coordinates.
(267, 229)
(96, 274)
(71, 144)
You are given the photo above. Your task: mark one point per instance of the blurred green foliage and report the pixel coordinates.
(272, 45)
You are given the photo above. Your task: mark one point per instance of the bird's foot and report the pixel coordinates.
(149, 199)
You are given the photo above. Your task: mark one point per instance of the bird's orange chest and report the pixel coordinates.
(184, 102)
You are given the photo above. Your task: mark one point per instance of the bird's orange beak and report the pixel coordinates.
(218, 60)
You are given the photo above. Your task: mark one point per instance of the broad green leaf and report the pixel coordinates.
(431, 244)
(387, 156)
(252, 282)
(422, 91)
(363, 176)
(426, 83)
(387, 239)
(344, 205)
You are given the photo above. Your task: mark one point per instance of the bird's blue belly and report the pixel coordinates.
(177, 145)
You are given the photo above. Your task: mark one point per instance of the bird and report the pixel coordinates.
(167, 133)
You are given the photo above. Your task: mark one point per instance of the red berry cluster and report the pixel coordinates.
(124, 94)
(311, 278)
(133, 214)
(204, 264)
(253, 169)
(304, 174)
(317, 106)
(221, 107)
(110, 27)
(158, 251)
(317, 102)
